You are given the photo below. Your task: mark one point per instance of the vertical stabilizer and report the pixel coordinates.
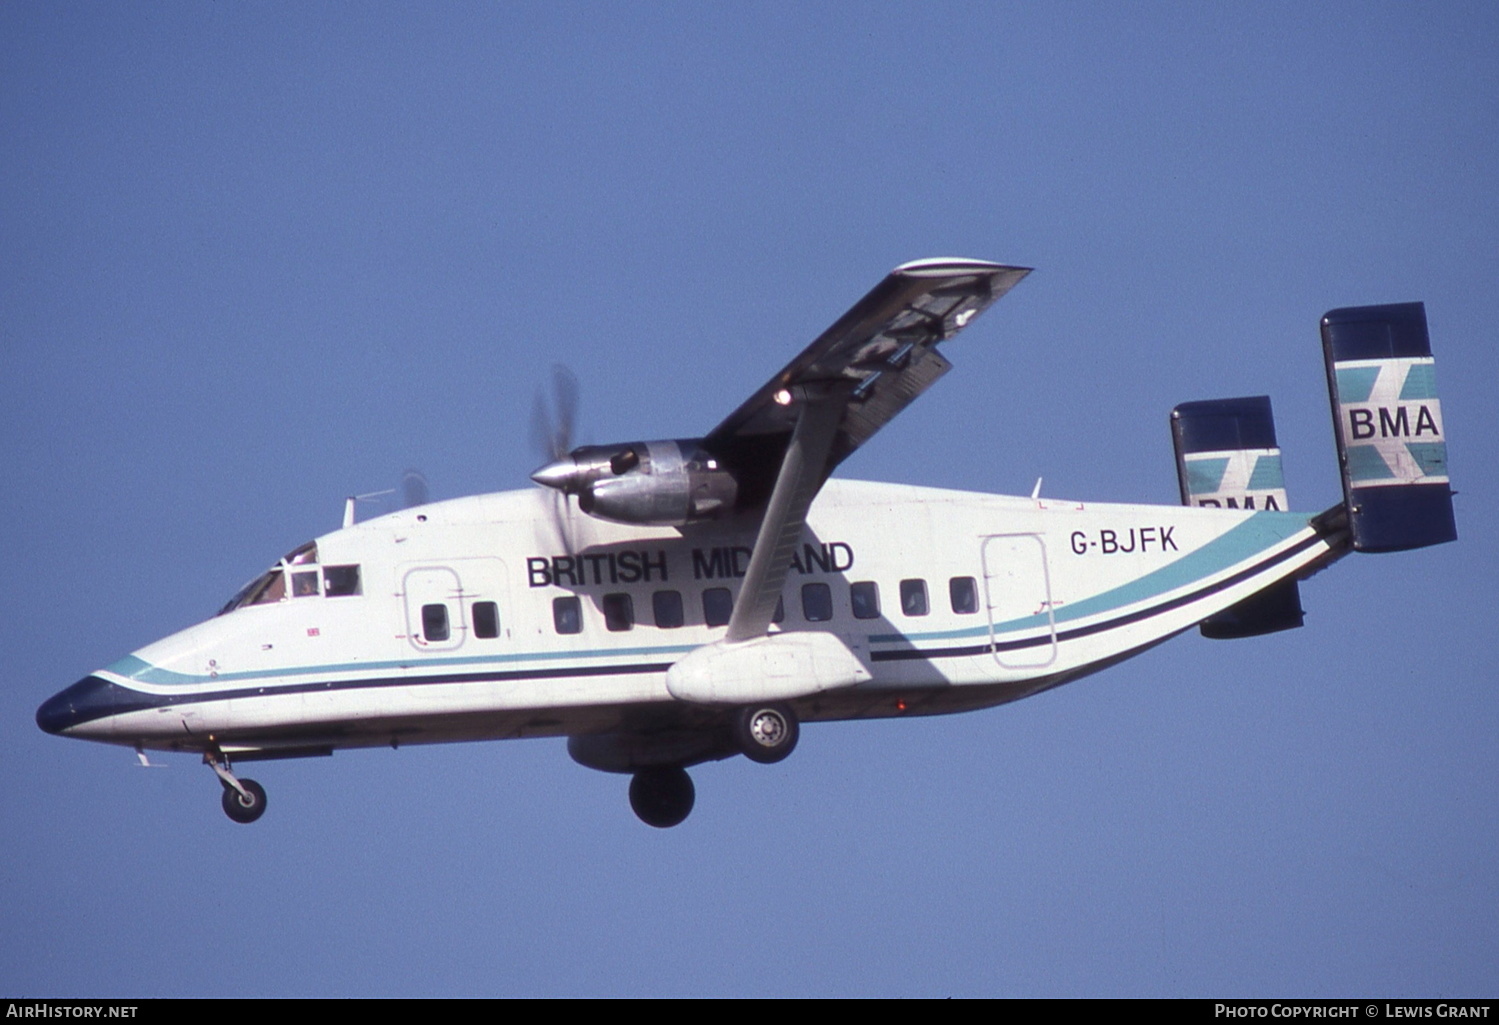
(1226, 455)
(1392, 446)
(1227, 458)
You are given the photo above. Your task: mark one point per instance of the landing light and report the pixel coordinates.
(783, 397)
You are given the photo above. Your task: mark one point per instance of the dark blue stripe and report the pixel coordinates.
(1084, 631)
(95, 698)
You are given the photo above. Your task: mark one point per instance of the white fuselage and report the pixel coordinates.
(952, 601)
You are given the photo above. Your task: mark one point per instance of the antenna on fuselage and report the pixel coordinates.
(413, 489)
(352, 502)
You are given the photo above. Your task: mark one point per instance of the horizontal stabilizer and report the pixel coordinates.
(1227, 458)
(1392, 447)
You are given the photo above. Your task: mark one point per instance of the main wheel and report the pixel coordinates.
(241, 808)
(766, 733)
(662, 797)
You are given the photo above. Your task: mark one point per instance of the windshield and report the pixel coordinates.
(298, 575)
(270, 586)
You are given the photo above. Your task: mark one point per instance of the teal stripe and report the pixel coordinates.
(1205, 476)
(1267, 475)
(1420, 382)
(1365, 463)
(1355, 384)
(135, 668)
(1259, 533)
(1431, 456)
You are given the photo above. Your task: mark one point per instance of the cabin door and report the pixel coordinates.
(444, 610)
(1017, 594)
(434, 618)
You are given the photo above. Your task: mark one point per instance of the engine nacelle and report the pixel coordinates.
(660, 483)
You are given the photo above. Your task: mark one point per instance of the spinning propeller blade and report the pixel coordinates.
(553, 427)
(413, 489)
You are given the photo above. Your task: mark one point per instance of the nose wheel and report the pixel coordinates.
(244, 806)
(244, 799)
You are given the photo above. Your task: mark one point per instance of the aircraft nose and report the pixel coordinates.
(89, 699)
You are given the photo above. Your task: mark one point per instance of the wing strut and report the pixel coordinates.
(799, 479)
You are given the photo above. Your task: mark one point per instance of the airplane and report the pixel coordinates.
(661, 604)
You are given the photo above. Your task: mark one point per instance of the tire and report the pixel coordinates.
(243, 810)
(766, 733)
(662, 797)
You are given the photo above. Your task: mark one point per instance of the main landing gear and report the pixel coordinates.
(765, 733)
(244, 799)
(663, 795)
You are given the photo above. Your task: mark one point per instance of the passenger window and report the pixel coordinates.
(486, 619)
(817, 602)
(567, 615)
(964, 592)
(913, 597)
(718, 606)
(435, 622)
(667, 605)
(619, 612)
(340, 580)
(304, 584)
(865, 598)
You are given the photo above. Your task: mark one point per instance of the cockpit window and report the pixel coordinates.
(274, 589)
(339, 581)
(303, 555)
(264, 589)
(241, 596)
(271, 586)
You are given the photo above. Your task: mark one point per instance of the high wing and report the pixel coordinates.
(879, 356)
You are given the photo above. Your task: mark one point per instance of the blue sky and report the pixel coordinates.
(260, 257)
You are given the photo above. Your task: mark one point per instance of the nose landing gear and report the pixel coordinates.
(245, 805)
(244, 799)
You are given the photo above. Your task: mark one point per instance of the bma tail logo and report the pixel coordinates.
(1391, 422)
(1249, 478)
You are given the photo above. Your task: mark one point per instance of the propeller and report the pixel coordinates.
(553, 428)
(554, 423)
(413, 489)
